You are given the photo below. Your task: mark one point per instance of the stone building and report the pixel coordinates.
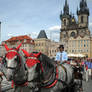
(28, 43)
(75, 34)
(53, 49)
(42, 43)
(45, 45)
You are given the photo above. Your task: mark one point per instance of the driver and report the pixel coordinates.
(61, 56)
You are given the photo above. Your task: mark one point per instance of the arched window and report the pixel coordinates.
(64, 22)
(81, 19)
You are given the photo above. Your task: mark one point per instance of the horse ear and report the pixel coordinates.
(37, 55)
(6, 47)
(26, 53)
(19, 46)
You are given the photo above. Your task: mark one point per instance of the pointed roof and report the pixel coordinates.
(66, 8)
(83, 8)
(42, 34)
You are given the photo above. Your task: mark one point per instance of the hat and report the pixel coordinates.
(61, 46)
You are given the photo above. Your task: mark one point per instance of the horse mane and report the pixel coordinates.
(47, 65)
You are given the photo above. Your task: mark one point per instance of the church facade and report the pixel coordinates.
(75, 34)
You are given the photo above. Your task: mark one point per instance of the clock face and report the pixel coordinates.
(72, 34)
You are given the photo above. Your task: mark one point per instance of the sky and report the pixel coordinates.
(24, 17)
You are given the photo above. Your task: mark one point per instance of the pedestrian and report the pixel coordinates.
(91, 69)
(61, 56)
(87, 73)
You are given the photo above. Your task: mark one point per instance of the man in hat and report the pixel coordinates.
(61, 56)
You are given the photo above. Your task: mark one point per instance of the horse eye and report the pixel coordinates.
(16, 59)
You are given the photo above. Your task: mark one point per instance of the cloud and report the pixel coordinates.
(89, 0)
(34, 34)
(90, 27)
(53, 28)
(10, 34)
(90, 24)
(53, 32)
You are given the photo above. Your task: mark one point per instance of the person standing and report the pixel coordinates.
(61, 55)
(91, 69)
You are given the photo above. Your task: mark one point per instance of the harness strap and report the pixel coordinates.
(64, 70)
(64, 83)
(54, 81)
(24, 84)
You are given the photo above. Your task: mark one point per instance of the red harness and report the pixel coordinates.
(54, 83)
(12, 85)
(31, 61)
(11, 55)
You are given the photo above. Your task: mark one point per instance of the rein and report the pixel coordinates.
(22, 83)
(48, 83)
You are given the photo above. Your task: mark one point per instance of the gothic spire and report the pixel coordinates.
(66, 8)
(83, 8)
(65, 2)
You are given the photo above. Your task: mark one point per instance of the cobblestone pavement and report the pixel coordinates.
(87, 86)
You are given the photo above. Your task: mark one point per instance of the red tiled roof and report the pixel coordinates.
(29, 40)
(19, 38)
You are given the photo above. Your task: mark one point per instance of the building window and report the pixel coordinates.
(84, 45)
(81, 45)
(24, 40)
(64, 22)
(81, 19)
(72, 50)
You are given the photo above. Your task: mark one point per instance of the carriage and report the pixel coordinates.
(36, 72)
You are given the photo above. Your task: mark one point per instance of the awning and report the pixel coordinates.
(76, 55)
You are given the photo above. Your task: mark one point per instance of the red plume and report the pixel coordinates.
(6, 47)
(36, 55)
(19, 46)
(26, 53)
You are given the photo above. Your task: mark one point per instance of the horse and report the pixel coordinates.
(15, 69)
(46, 75)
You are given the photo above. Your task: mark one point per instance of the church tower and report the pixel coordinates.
(65, 16)
(83, 14)
(75, 33)
(83, 19)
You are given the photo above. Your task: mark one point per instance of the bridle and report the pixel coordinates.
(18, 60)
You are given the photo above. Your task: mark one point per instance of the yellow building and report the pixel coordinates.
(75, 35)
(45, 45)
(42, 43)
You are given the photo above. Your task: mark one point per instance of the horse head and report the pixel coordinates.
(39, 66)
(12, 61)
(33, 64)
